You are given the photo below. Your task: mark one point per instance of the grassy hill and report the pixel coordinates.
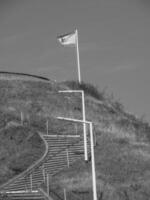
(19, 148)
(123, 140)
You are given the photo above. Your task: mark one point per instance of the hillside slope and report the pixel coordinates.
(122, 150)
(20, 146)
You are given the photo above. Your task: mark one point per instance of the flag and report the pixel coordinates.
(67, 39)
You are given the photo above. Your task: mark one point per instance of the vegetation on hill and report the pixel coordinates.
(20, 146)
(123, 140)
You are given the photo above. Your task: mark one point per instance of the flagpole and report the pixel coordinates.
(78, 58)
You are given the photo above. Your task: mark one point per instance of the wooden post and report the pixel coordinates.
(65, 196)
(47, 127)
(22, 118)
(67, 152)
(31, 186)
(43, 172)
(76, 128)
(47, 184)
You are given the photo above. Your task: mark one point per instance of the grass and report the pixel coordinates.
(122, 151)
(88, 88)
(120, 171)
(19, 147)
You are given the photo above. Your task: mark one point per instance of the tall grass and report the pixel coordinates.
(88, 88)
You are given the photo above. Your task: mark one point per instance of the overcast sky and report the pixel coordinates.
(114, 43)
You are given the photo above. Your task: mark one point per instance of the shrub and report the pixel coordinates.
(118, 106)
(88, 88)
(4, 197)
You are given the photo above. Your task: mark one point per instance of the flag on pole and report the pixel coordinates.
(71, 39)
(67, 39)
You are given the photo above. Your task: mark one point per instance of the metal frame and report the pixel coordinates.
(83, 116)
(92, 152)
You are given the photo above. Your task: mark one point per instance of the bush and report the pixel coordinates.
(87, 88)
(118, 106)
(4, 197)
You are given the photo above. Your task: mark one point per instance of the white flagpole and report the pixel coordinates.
(78, 58)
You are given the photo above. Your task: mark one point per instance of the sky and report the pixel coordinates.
(114, 44)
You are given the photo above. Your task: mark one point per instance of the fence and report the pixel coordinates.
(66, 151)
